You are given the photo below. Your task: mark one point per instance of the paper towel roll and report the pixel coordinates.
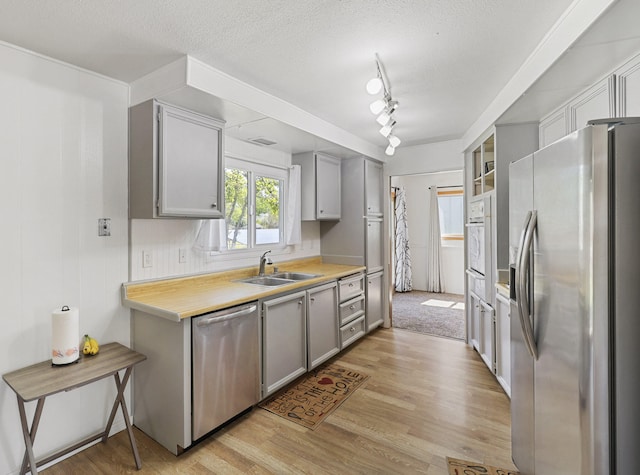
(65, 335)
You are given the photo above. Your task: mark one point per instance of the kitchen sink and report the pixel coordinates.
(269, 281)
(294, 275)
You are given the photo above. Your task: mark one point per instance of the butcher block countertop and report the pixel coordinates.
(185, 297)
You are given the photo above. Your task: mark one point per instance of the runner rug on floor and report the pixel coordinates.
(462, 467)
(311, 399)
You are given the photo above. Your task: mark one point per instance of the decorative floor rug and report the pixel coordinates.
(462, 467)
(311, 399)
(431, 313)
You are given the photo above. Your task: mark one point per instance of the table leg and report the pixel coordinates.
(121, 402)
(29, 435)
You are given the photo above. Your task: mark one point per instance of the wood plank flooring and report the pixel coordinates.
(427, 398)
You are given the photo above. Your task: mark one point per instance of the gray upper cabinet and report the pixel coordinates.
(320, 180)
(597, 102)
(553, 127)
(373, 188)
(374, 250)
(628, 88)
(176, 165)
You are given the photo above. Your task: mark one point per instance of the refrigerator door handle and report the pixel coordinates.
(524, 271)
(519, 274)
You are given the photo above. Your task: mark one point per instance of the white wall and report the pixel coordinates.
(165, 237)
(63, 143)
(418, 203)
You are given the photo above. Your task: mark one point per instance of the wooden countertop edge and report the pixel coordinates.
(248, 292)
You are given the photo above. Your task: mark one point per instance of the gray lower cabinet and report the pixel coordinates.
(474, 320)
(352, 309)
(162, 385)
(487, 335)
(374, 311)
(503, 342)
(323, 340)
(284, 341)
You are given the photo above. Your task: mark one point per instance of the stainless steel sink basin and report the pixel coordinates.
(269, 281)
(294, 275)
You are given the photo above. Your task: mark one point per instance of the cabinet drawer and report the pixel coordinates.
(351, 309)
(350, 287)
(351, 332)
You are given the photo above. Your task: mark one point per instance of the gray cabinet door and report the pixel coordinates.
(284, 341)
(190, 166)
(503, 343)
(374, 313)
(373, 187)
(322, 323)
(487, 335)
(374, 245)
(328, 203)
(474, 323)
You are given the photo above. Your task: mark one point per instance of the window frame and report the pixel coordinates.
(456, 191)
(254, 169)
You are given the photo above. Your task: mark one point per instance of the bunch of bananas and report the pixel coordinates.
(91, 346)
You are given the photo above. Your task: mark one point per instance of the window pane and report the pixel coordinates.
(236, 188)
(267, 210)
(451, 216)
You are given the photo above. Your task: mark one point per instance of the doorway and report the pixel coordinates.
(416, 307)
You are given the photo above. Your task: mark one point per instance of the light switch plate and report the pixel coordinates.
(104, 227)
(182, 255)
(147, 259)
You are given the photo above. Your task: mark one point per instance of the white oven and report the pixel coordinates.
(479, 247)
(476, 237)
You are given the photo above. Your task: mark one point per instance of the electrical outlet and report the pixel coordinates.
(182, 255)
(147, 259)
(104, 227)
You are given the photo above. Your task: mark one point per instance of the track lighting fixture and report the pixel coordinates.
(383, 108)
(386, 129)
(374, 85)
(377, 106)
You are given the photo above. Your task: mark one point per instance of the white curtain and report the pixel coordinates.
(211, 236)
(402, 254)
(434, 260)
(293, 216)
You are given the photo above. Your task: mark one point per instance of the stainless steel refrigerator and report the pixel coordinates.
(574, 218)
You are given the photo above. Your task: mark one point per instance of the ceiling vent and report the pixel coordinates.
(262, 141)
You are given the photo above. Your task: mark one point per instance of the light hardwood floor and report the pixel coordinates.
(427, 398)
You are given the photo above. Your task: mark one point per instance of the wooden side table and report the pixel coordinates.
(40, 380)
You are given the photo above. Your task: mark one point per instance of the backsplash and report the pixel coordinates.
(163, 239)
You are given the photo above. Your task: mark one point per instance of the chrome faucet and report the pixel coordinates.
(264, 260)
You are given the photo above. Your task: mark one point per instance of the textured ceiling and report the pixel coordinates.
(445, 59)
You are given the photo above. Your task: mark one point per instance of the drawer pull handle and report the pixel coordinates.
(214, 205)
(351, 285)
(299, 302)
(352, 307)
(352, 329)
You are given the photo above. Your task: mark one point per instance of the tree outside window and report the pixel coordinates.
(252, 205)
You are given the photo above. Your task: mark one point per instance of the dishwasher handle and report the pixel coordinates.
(230, 316)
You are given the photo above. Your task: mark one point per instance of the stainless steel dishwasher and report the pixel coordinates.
(226, 366)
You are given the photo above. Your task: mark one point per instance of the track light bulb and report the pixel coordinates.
(377, 106)
(390, 150)
(374, 86)
(384, 118)
(385, 131)
(393, 141)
